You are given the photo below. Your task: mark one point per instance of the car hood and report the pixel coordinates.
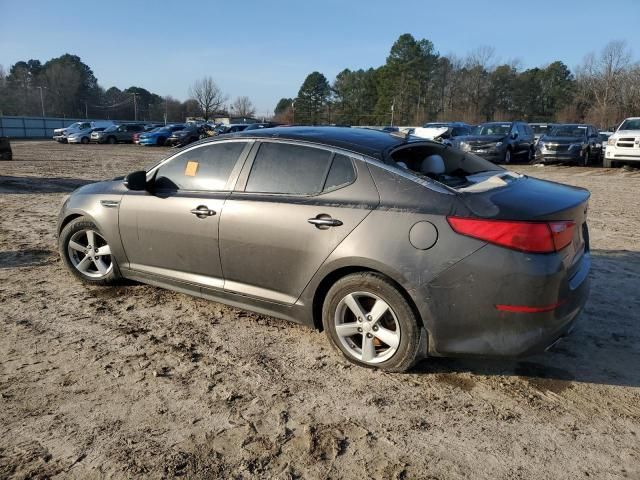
(483, 138)
(562, 140)
(626, 133)
(430, 132)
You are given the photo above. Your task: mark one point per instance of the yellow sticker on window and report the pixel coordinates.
(191, 169)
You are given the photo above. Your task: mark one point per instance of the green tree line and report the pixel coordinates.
(417, 84)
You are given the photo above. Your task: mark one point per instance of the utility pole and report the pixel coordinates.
(42, 100)
(86, 111)
(165, 110)
(135, 106)
(293, 107)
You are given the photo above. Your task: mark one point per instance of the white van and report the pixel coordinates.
(61, 134)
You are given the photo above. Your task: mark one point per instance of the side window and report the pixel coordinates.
(205, 168)
(340, 173)
(288, 169)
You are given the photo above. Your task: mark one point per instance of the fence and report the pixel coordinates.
(38, 127)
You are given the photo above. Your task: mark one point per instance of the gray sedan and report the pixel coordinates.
(396, 248)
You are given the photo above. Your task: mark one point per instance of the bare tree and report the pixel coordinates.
(208, 95)
(242, 107)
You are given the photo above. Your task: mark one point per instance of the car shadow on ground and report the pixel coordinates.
(25, 258)
(604, 348)
(33, 185)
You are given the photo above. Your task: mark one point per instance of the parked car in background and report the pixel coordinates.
(500, 142)
(117, 133)
(624, 145)
(158, 136)
(447, 132)
(190, 133)
(83, 136)
(147, 128)
(5, 149)
(257, 126)
(60, 134)
(233, 128)
(577, 143)
(304, 224)
(603, 138)
(540, 129)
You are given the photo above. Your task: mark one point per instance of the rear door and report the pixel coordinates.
(292, 207)
(173, 232)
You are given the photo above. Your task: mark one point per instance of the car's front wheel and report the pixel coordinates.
(507, 156)
(371, 323)
(86, 253)
(111, 140)
(84, 140)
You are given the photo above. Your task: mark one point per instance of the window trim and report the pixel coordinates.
(233, 175)
(241, 185)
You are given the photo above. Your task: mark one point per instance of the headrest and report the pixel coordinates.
(433, 164)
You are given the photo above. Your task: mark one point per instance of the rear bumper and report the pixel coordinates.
(477, 304)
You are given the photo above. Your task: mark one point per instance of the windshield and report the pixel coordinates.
(569, 131)
(112, 128)
(631, 124)
(492, 129)
(75, 125)
(540, 129)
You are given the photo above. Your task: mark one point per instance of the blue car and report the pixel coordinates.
(158, 136)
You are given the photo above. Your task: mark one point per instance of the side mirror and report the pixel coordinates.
(136, 180)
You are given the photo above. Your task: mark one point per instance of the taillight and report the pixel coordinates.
(533, 237)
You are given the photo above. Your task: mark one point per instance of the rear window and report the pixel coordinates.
(288, 169)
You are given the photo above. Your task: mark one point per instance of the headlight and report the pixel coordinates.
(498, 144)
(611, 141)
(465, 147)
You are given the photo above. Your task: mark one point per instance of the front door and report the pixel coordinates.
(298, 204)
(172, 231)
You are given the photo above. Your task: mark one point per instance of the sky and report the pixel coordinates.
(265, 49)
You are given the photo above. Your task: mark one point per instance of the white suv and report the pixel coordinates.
(624, 145)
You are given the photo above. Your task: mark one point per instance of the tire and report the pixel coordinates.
(586, 158)
(507, 156)
(84, 140)
(84, 264)
(111, 140)
(161, 141)
(531, 156)
(396, 322)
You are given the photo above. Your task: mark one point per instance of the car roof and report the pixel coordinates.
(359, 140)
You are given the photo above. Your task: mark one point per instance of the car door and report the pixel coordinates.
(172, 231)
(293, 206)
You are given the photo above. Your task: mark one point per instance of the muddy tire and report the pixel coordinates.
(371, 323)
(86, 253)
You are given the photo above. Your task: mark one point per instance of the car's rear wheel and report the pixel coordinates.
(371, 323)
(111, 140)
(86, 253)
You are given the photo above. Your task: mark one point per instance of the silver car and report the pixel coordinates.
(398, 248)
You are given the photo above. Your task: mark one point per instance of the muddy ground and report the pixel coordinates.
(141, 382)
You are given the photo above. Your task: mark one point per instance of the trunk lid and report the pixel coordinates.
(532, 199)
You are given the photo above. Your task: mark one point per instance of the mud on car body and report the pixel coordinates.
(397, 248)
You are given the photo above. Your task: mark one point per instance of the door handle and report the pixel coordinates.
(324, 221)
(202, 211)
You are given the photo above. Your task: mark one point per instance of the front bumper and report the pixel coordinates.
(60, 138)
(468, 303)
(74, 139)
(622, 154)
(148, 141)
(491, 155)
(554, 156)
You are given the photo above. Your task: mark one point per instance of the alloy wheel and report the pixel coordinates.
(90, 254)
(367, 327)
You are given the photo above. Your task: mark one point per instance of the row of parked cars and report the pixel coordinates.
(504, 142)
(175, 134)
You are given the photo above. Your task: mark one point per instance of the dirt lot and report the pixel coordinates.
(141, 382)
